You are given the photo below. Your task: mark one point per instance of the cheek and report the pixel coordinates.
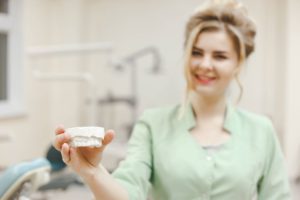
(229, 70)
(194, 63)
(228, 75)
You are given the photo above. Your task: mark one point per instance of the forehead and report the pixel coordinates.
(217, 40)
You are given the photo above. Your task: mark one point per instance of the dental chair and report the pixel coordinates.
(19, 181)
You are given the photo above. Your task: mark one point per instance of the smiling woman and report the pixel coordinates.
(205, 148)
(231, 41)
(214, 62)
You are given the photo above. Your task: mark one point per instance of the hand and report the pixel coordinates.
(82, 159)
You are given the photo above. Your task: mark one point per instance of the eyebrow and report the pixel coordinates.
(221, 52)
(196, 48)
(217, 52)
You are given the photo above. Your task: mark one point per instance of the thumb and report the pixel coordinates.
(109, 136)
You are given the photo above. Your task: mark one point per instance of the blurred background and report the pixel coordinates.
(102, 62)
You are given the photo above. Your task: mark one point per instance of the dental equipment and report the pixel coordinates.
(21, 180)
(130, 61)
(104, 47)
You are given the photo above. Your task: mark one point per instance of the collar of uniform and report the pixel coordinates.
(229, 122)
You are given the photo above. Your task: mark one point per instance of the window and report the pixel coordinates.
(3, 66)
(3, 6)
(11, 70)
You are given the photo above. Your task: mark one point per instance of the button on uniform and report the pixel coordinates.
(208, 158)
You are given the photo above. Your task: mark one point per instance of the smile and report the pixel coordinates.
(205, 80)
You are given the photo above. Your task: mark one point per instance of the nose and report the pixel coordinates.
(206, 62)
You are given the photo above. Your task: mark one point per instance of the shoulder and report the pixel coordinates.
(253, 119)
(258, 131)
(255, 128)
(263, 125)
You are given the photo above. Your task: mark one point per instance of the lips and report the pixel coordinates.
(204, 79)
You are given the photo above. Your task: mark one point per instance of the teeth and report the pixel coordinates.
(205, 77)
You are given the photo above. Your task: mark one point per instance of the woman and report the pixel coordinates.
(206, 148)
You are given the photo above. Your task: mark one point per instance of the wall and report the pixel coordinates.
(47, 104)
(130, 25)
(292, 111)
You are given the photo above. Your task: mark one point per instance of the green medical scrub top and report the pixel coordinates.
(164, 157)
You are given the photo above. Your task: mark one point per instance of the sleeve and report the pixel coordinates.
(135, 171)
(274, 183)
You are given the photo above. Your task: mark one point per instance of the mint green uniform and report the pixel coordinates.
(164, 155)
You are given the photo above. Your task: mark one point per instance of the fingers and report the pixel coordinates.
(60, 140)
(70, 155)
(109, 136)
(65, 152)
(59, 130)
(81, 156)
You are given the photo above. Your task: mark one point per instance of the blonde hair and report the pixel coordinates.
(214, 15)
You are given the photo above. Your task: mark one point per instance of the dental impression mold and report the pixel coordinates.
(86, 136)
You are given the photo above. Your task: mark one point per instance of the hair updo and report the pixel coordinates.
(225, 15)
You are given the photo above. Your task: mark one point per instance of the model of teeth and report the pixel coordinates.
(86, 136)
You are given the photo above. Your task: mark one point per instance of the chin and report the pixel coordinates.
(205, 92)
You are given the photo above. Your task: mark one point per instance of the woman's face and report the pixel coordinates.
(213, 63)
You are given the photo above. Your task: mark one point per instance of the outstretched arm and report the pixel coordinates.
(85, 161)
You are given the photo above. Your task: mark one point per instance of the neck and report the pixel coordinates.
(208, 107)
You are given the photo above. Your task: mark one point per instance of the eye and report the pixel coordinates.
(220, 57)
(196, 53)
